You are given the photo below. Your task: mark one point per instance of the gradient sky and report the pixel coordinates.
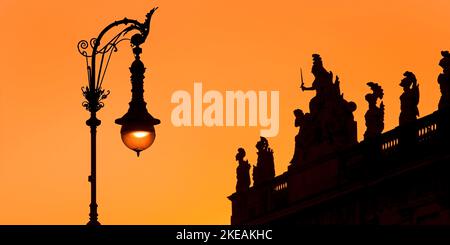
(185, 177)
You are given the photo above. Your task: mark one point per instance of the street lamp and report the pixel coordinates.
(137, 132)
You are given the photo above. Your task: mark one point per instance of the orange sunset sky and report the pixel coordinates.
(185, 177)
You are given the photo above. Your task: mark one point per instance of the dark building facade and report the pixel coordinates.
(401, 176)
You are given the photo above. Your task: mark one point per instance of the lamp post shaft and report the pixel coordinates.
(93, 123)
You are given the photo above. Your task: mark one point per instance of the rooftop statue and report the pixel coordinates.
(444, 80)
(303, 138)
(322, 84)
(242, 172)
(265, 166)
(409, 99)
(375, 114)
(329, 123)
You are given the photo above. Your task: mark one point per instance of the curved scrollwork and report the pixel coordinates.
(93, 42)
(82, 46)
(94, 52)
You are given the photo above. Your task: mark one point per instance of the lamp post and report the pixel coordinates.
(137, 132)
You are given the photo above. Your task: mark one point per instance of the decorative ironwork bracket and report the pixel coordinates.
(94, 93)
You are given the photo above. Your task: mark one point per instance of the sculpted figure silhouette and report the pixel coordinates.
(322, 84)
(375, 114)
(242, 172)
(265, 167)
(303, 139)
(409, 99)
(444, 80)
(330, 124)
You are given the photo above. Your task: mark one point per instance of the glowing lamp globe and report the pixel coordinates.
(138, 131)
(138, 137)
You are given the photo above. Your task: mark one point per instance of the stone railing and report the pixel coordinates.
(419, 132)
